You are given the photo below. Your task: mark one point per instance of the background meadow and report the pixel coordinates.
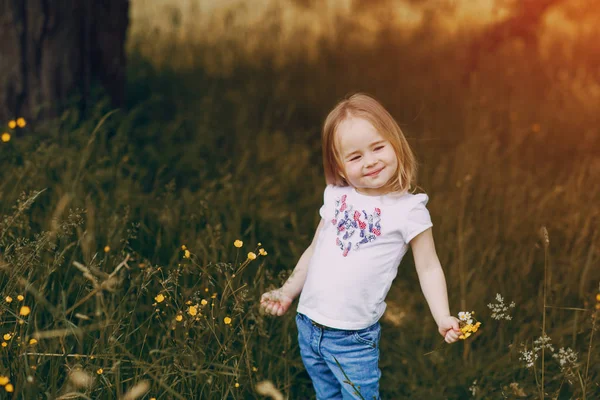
(118, 226)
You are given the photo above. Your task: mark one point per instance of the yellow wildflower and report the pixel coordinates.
(4, 380)
(9, 388)
(7, 336)
(106, 249)
(25, 311)
(21, 122)
(20, 297)
(206, 289)
(6, 137)
(99, 371)
(254, 369)
(227, 320)
(179, 318)
(33, 341)
(183, 247)
(238, 243)
(262, 252)
(204, 302)
(8, 299)
(214, 296)
(4, 344)
(237, 385)
(12, 124)
(193, 310)
(159, 298)
(251, 256)
(187, 254)
(598, 297)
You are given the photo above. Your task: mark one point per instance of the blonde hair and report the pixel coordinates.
(360, 105)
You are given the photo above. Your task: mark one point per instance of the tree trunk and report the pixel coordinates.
(52, 49)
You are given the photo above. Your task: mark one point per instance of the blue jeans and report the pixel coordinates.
(357, 351)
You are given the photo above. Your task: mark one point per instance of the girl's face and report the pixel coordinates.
(368, 159)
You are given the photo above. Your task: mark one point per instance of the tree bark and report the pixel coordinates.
(53, 49)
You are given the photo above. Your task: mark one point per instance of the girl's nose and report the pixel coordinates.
(370, 160)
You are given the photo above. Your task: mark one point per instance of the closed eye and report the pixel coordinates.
(379, 147)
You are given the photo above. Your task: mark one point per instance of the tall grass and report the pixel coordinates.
(96, 208)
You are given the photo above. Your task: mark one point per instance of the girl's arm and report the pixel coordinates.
(433, 282)
(278, 301)
(294, 284)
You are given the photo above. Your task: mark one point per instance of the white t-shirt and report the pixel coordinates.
(357, 253)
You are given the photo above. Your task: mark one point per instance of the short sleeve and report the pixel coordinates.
(326, 196)
(417, 219)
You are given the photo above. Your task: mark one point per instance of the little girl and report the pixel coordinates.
(368, 220)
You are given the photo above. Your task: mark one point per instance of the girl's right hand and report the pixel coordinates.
(275, 302)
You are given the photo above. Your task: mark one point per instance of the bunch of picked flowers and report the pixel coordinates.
(468, 324)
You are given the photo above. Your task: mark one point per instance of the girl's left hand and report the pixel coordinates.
(449, 329)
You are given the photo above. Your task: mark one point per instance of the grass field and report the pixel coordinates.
(118, 226)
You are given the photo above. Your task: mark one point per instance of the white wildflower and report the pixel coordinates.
(567, 358)
(473, 388)
(528, 357)
(543, 342)
(464, 316)
(500, 310)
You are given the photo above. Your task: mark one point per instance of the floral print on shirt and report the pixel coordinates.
(354, 228)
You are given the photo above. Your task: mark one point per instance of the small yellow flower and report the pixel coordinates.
(7, 336)
(262, 252)
(4, 380)
(106, 249)
(187, 254)
(179, 318)
(214, 296)
(12, 124)
(227, 320)
(152, 398)
(189, 302)
(251, 256)
(21, 122)
(238, 243)
(99, 371)
(254, 369)
(597, 297)
(25, 311)
(237, 385)
(33, 341)
(159, 298)
(9, 388)
(8, 299)
(6, 137)
(206, 289)
(4, 344)
(193, 310)
(183, 247)
(20, 297)
(204, 302)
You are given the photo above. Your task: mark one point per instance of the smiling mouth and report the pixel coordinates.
(375, 172)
